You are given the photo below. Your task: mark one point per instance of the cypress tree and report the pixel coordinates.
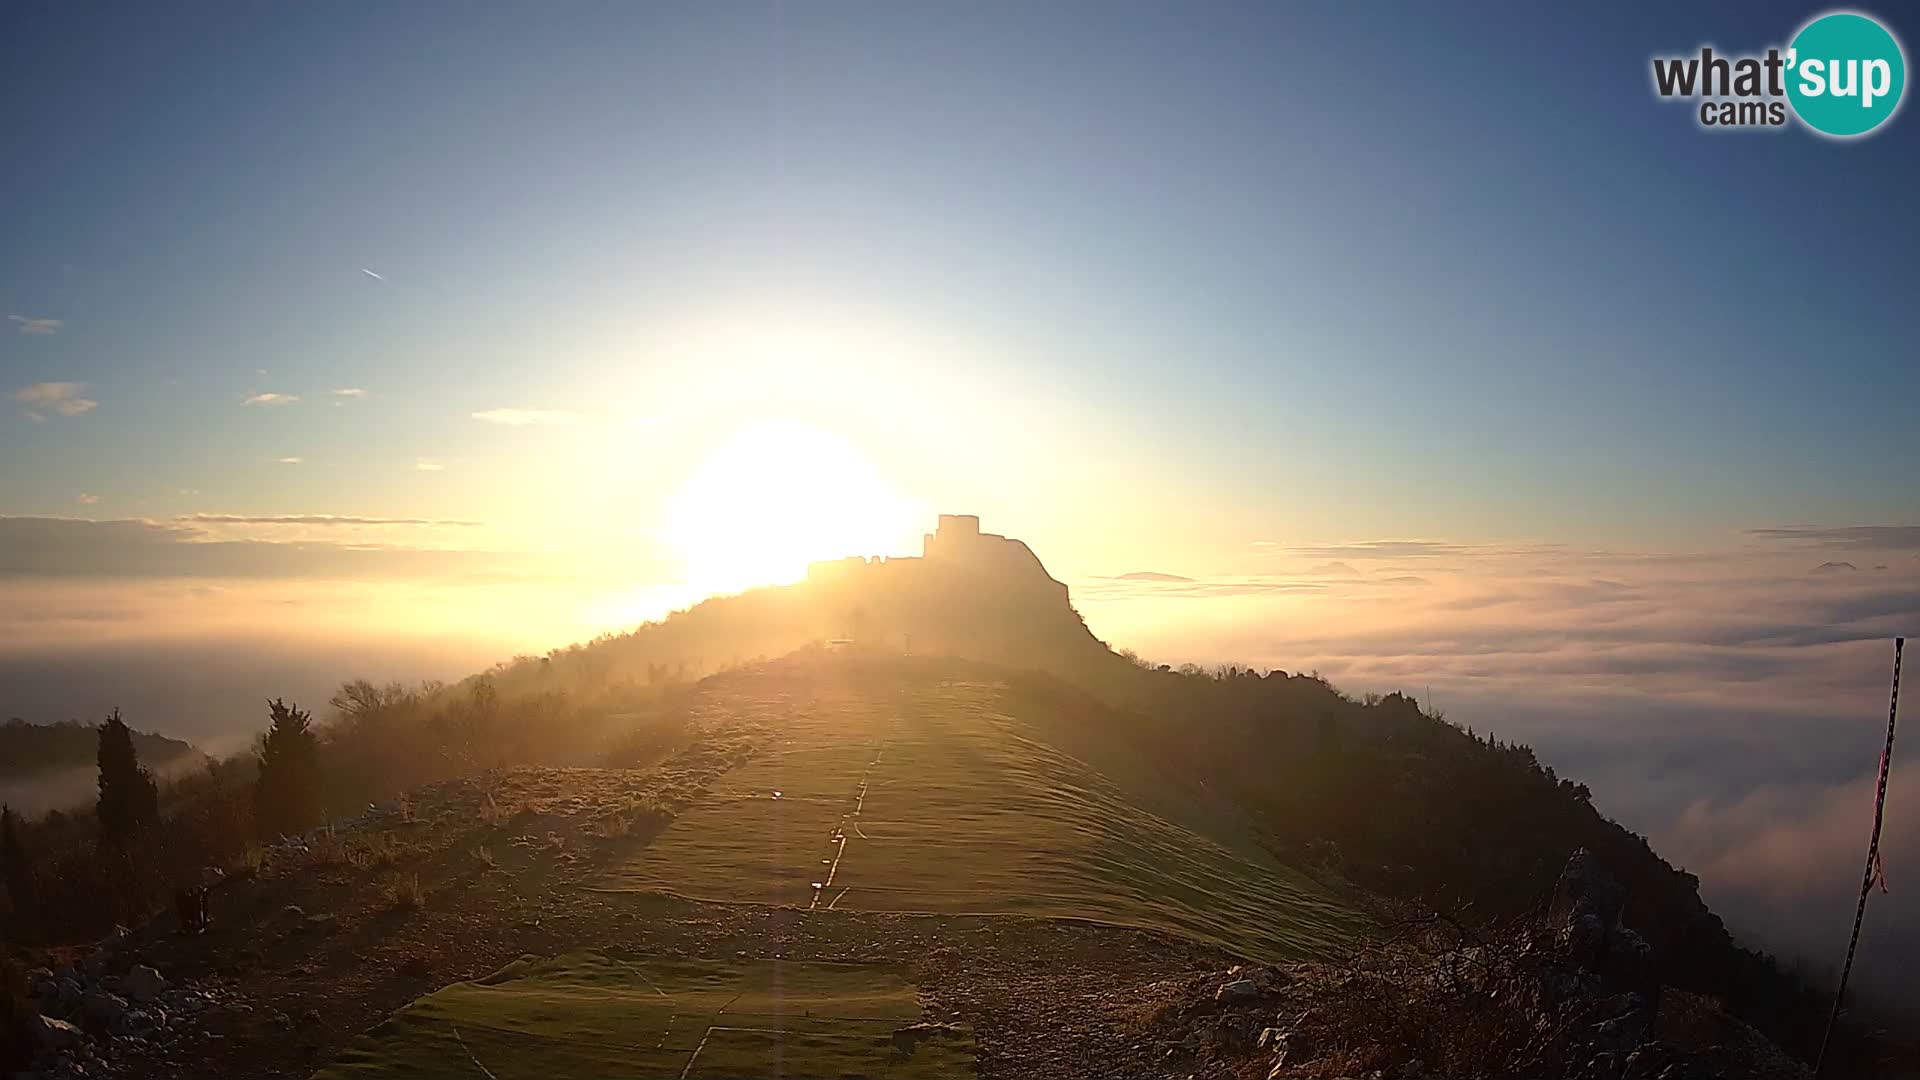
(18, 868)
(129, 799)
(286, 797)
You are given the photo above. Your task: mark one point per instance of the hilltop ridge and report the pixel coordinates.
(906, 762)
(969, 594)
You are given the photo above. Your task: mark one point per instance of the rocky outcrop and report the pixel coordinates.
(104, 1007)
(1573, 996)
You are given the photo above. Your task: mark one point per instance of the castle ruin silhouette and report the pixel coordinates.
(956, 552)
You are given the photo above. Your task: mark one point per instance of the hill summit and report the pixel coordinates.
(955, 553)
(968, 593)
(904, 818)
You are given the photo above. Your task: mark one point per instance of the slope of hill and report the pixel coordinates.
(944, 776)
(918, 785)
(1380, 792)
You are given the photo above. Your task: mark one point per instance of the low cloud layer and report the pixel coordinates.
(1728, 703)
(317, 519)
(187, 547)
(1863, 537)
(515, 417)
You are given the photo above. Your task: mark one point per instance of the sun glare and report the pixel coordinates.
(775, 497)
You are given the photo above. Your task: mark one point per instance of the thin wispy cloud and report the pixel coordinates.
(85, 499)
(423, 465)
(515, 417)
(371, 274)
(45, 547)
(349, 392)
(36, 327)
(272, 399)
(1375, 549)
(315, 519)
(289, 460)
(62, 398)
(1863, 537)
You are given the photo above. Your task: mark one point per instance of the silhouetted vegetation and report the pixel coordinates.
(129, 799)
(286, 794)
(379, 741)
(16, 866)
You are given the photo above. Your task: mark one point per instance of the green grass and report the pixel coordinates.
(965, 811)
(590, 1016)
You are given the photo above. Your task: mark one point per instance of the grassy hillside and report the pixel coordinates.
(897, 785)
(966, 750)
(588, 1016)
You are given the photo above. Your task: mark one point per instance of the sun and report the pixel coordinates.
(777, 496)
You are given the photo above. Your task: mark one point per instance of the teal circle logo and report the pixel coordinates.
(1845, 74)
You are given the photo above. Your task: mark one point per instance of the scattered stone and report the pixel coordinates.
(143, 983)
(1271, 978)
(1237, 990)
(103, 1010)
(55, 1034)
(908, 1039)
(66, 997)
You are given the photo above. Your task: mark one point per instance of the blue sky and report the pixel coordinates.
(1350, 271)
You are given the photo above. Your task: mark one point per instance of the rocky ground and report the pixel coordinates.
(321, 939)
(1566, 998)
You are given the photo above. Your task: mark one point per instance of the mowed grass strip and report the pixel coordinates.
(732, 1053)
(830, 773)
(591, 1016)
(965, 812)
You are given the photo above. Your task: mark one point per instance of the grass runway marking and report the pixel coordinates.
(484, 1071)
(839, 837)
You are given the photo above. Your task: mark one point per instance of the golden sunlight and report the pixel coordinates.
(775, 497)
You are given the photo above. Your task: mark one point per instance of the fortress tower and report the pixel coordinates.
(955, 552)
(952, 533)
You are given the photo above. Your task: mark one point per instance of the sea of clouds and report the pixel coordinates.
(1728, 704)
